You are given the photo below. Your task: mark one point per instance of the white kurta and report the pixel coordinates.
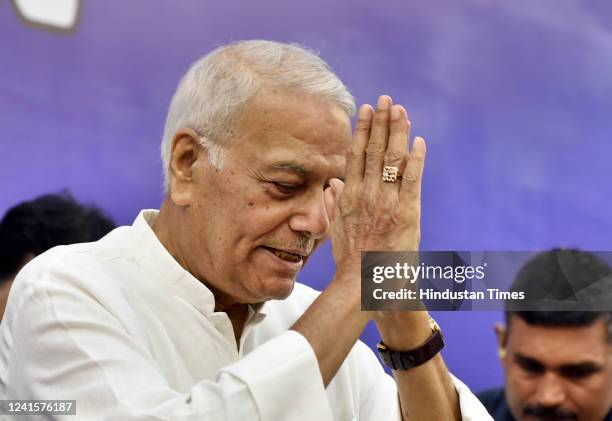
(119, 326)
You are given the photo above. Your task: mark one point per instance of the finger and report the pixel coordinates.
(377, 145)
(328, 198)
(337, 187)
(356, 153)
(413, 173)
(331, 195)
(397, 148)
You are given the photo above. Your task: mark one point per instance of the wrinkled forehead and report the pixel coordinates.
(290, 161)
(305, 133)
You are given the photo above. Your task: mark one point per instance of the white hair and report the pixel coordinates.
(217, 88)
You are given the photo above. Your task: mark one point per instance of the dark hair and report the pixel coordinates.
(35, 226)
(556, 274)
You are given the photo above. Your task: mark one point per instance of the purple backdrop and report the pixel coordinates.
(514, 98)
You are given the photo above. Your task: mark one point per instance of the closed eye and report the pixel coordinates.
(529, 365)
(287, 189)
(579, 371)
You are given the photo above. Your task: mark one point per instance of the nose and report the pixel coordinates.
(550, 391)
(310, 216)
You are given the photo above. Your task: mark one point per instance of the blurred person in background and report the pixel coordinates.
(33, 227)
(557, 364)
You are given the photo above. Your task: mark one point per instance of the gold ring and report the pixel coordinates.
(390, 174)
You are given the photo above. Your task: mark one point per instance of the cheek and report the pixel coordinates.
(238, 230)
(519, 387)
(213, 225)
(261, 214)
(241, 215)
(593, 394)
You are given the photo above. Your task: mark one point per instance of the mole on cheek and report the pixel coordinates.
(250, 203)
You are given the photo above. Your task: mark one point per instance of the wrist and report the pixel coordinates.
(403, 330)
(348, 272)
(400, 352)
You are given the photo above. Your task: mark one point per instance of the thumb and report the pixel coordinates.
(337, 186)
(331, 195)
(330, 202)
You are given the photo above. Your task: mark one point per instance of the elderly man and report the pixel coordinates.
(558, 364)
(193, 312)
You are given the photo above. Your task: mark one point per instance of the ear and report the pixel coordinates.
(500, 332)
(186, 156)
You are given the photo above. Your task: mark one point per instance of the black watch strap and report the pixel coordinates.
(405, 360)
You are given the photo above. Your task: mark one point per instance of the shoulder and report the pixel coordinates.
(494, 400)
(492, 396)
(78, 268)
(79, 255)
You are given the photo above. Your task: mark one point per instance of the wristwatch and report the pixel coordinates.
(405, 360)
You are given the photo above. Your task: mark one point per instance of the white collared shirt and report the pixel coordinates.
(119, 326)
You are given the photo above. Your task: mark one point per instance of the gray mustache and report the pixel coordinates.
(304, 245)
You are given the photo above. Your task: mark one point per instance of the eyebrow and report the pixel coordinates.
(586, 366)
(292, 166)
(525, 359)
(296, 168)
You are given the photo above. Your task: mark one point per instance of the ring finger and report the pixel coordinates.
(397, 148)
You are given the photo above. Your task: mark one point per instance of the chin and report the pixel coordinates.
(278, 288)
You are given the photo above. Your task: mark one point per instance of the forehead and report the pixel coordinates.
(559, 345)
(279, 128)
